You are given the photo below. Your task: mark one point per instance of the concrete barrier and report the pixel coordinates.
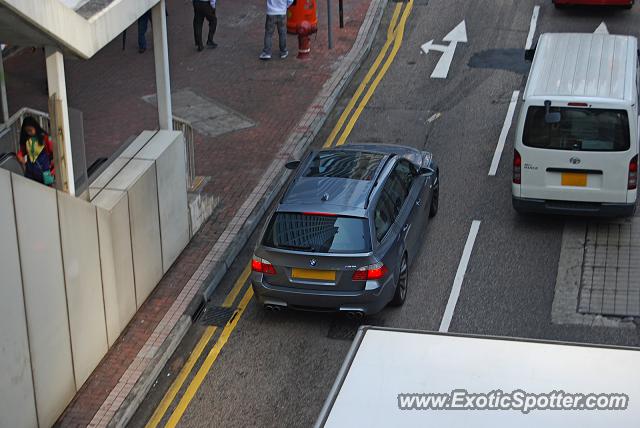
(116, 261)
(17, 401)
(45, 298)
(74, 272)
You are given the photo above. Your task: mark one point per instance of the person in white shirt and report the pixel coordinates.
(204, 9)
(276, 17)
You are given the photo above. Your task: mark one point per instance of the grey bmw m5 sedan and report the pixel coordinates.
(346, 229)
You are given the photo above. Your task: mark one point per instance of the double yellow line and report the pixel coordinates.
(395, 35)
(197, 380)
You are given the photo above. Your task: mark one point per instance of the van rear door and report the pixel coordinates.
(583, 156)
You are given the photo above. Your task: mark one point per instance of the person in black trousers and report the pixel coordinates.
(204, 9)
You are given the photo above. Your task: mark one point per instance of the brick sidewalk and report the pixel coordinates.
(109, 88)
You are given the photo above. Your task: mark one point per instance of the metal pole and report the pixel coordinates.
(3, 93)
(341, 9)
(330, 34)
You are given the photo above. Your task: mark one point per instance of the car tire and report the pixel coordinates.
(435, 197)
(402, 285)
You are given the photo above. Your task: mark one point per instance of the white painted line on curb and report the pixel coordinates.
(503, 134)
(457, 282)
(532, 27)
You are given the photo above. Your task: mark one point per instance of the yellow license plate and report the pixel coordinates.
(324, 275)
(574, 179)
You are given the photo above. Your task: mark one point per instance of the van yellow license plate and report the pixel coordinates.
(321, 275)
(578, 179)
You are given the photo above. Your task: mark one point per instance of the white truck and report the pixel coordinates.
(403, 378)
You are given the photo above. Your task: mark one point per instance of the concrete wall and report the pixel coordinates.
(74, 272)
(17, 401)
(117, 261)
(45, 297)
(81, 261)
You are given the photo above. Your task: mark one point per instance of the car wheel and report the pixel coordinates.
(401, 286)
(435, 198)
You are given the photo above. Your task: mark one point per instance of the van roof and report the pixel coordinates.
(584, 66)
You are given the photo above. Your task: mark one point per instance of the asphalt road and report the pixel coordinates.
(277, 368)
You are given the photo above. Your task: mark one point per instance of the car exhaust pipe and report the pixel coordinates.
(355, 315)
(271, 307)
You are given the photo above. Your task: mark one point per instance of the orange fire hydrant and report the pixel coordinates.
(302, 19)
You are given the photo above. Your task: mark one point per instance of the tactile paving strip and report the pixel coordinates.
(610, 280)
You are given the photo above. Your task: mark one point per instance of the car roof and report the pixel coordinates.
(583, 66)
(339, 195)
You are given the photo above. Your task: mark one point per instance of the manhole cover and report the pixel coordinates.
(343, 328)
(610, 279)
(216, 315)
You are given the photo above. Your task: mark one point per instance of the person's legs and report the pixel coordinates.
(198, 20)
(213, 24)
(143, 22)
(282, 35)
(269, 28)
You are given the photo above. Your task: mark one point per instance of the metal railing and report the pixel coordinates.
(10, 131)
(187, 130)
(10, 136)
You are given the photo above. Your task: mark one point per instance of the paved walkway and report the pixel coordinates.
(222, 89)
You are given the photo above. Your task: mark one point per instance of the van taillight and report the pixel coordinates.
(517, 167)
(633, 173)
(262, 266)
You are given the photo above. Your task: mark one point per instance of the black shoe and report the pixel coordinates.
(142, 50)
(212, 44)
(200, 48)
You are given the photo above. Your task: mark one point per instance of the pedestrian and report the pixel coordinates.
(276, 17)
(204, 9)
(36, 152)
(143, 24)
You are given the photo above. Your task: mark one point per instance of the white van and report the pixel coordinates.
(576, 147)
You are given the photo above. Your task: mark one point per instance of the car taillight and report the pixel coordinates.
(375, 271)
(633, 173)
(517, 167)
(262, 266)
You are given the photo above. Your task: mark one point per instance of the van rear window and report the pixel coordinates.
(318, 233)
(582, 129)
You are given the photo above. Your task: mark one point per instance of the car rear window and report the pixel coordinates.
(582, 129)
(344, 164)
(318, 233)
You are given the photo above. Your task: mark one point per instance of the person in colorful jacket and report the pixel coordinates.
(36, 152)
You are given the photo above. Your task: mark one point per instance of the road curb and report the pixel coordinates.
(298, 141)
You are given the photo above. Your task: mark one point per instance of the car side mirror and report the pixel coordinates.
(292, 164)
(425, 170)
(529, 54)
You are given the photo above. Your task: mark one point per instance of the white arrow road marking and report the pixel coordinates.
(457, 282)
(458, 34)
(455, 36)
(602, 29)
(532, 27)
(503, 134)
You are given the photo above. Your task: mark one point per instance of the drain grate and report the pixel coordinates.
(215, 315)
(343, 328)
